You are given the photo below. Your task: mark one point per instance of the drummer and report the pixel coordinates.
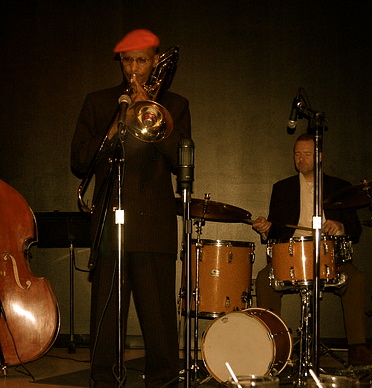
(292, 204)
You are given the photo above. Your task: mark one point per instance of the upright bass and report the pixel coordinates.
(29, 313)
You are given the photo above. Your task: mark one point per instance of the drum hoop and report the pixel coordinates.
(301, 239)
(257, 311)
(224, 243)
(341, 237)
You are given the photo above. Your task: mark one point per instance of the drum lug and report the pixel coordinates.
(328, 271)
(200, 253)
(214, 272)
(326, 248)
(269, 251)
(290, 248)
(182, 292)
(253, 257)
(230, 257)
(246, 299)
(271, 367)
(292, 273)
(271, 274)
(275, 284)
(227, 302)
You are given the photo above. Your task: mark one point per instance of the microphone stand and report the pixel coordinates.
(317, 225)
(187, 231)
(316, 124)
(185, 178)
(119, 221)
(115, 174)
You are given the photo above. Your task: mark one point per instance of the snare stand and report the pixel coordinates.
(305, 335)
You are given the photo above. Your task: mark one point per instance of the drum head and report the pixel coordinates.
(240, 339)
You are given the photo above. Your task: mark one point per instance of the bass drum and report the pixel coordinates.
(253, 341)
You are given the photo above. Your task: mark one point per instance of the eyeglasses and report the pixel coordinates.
(141, 62)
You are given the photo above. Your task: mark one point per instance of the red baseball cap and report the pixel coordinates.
(139, 39)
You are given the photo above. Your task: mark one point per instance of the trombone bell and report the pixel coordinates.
(149, 121)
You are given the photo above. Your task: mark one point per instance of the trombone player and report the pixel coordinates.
(150, 228)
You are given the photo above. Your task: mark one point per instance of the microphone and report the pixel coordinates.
(124, 102)
(185, 172)
(292, 121)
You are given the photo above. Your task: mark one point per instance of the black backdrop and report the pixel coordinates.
(240, 65)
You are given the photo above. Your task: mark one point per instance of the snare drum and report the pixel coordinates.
(254, 342)
(293, 260)
(225, 276)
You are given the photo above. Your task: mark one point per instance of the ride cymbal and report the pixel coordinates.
(214, 211)
(354, 196)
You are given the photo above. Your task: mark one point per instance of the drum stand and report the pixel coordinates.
(305, 341)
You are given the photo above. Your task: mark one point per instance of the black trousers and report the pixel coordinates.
(151, 279)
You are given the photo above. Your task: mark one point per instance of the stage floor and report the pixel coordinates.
(59, 369)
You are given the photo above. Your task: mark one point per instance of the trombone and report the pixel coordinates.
(147, 121)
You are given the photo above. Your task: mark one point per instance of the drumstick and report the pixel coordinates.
(299, 227)
(251, 222)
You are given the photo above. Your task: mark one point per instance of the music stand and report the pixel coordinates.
(65, 230)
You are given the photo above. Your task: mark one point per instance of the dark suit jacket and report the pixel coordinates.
(148, 197)
(285, 207)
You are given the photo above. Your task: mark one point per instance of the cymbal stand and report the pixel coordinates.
(200, 222)
(196, 293)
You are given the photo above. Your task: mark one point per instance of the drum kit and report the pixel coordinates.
(255, 340)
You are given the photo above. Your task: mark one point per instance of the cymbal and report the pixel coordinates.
(354, 196)
(214, 211)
